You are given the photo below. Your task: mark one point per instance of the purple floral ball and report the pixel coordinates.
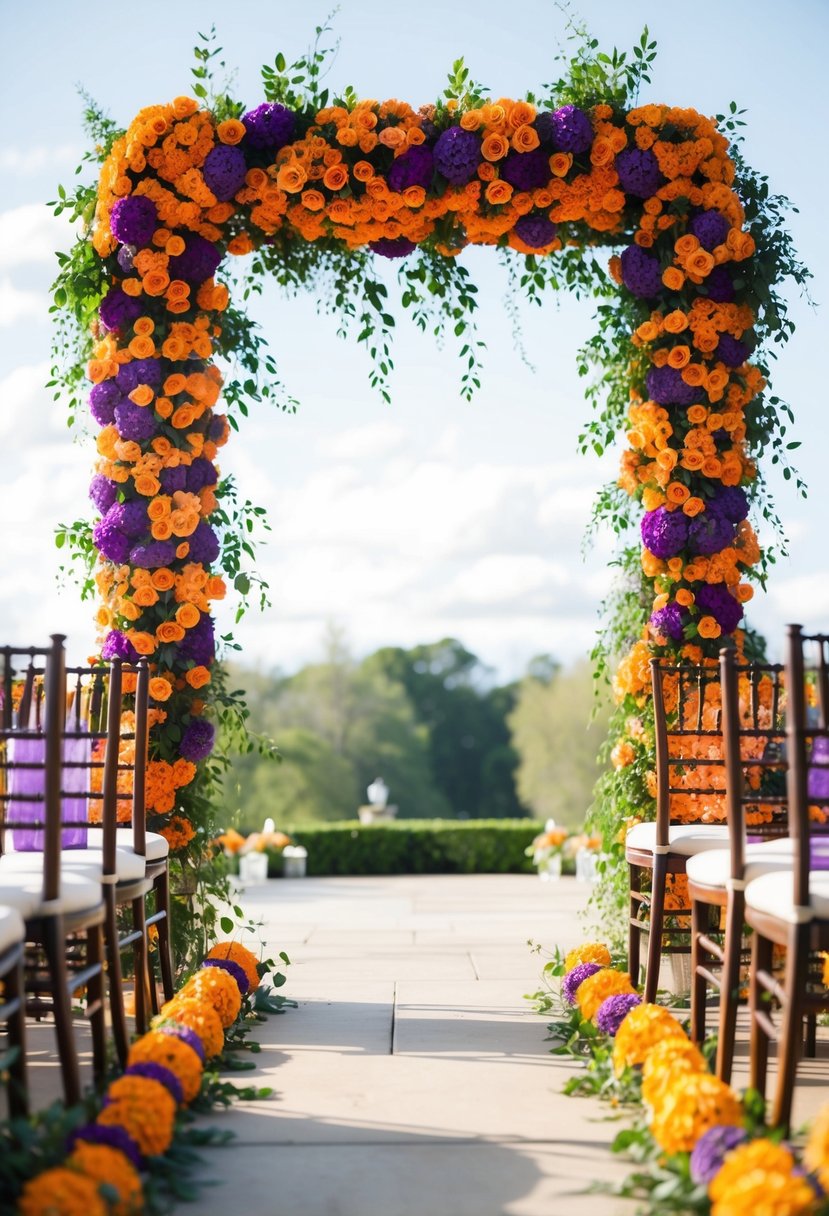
(173, 480)
(198, 644)
(224, 171)
(572, 130)
(134, 422)
(641, 272)
(103, 399)
(197, 741)
(110, 1135)
(731, 351)
(717, 601)
(139, 371)
(614, 1010)
(397, 247)
(710, 228)
(129, 517)
(669, 621)
(457, 155)
(157, 1072)
(110, 540)
(228, 965)
(118, 646)
(118, 310)
(125, 257)
(201, 473)
(134, 220)
(711, 1149)
(664, 532)
(527, 170)
(217, 426)
(103, 492)
(536, 230)
(204, 545)
(666, 387)
(544, 127)
(177, 1031)
(719, 285)
(710, 532)
(731, 502)
(153, 555)
(414, 168)
(639, 172)
(199, 261)
(269, 127)
(575, 977)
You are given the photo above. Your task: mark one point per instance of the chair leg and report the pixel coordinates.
(161, 887)
(140, 957)
(699, 986)
(95, 997)
(810, 1039)
(54, 948)
(791, 1029)
(18, 1092)
(761, 953)
(657, 919)
(730, 985)
(116, 981)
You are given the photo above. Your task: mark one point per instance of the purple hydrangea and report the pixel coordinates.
(228, 965)
(414, 168)
(575, 977)
(129, 517)
(134, 220)
(216, 427)
(711, 1149)
(224, 171)
(118, 646)
(153, 555)
(157, 1072)
(111, 541)
(664, 532)
(134, 422)
(731, 351)
(118, 310)
(199, 644)
(641, 272)
(197, 740)
(710, 228)
(666, 387)
(177, 1031)
(204, 545)
(139, 371)
(397, 247)
(717, 601)
(543, 126)
(731, 502)
(112, 1135)
(614, 1010)
(719, 285)
(536, 230)
(201, 473)
(639, 172)
(572, 130)
(527, 170)
(102, 402)
(670, 621)
(173, 480)
(457, 155)
(199, 261)
(125, 257)
(103, 492)
(709, 532)
(269, 127)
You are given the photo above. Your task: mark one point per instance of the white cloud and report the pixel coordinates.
(30, 234)
(371, 442)
(37, 157)
(17, 305)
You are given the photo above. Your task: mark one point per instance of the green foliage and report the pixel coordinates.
(589, 76)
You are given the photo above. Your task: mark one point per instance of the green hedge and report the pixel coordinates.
(418, 846)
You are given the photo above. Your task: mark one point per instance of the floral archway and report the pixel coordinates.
(315, 189)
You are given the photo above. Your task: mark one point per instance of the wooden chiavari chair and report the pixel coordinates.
(13, 1007)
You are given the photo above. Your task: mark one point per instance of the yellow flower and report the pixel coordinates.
(61, 1192)
(644, 1027)
(816, 1153)
(590, 952)
(667, 1062)
(220, 989)
(597, 988)
(758, 1177)
(688, 1106)
(104, 1164)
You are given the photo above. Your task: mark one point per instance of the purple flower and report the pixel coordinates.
(536, 230)
(414, 168)
(575, 977)
(709, 532)
(201, 473)
(103, 399)
(111, 1135)
(457, 155)
(731, 502)
(110, 540)
(118, 646)
(199, 261)
(134, 220)
(711, 1149)
(217, 426)
(128, 517)
(719, 285)
(641, 272)
(716, 600)
(224, 171)
(526, 170)
(197, 740)
(134, 422)
(153, 555)
(397, 247)
(666, 387)
(139, 371)
(710, 228)
(639, 172)
(572, 130)
(117, 310)
(204, 545)
(125, 257)
(173, 480)
(614, 1010)
(177, 1031)
(664, 532)
(103, 492)
(157, 1072)
(669, 621)
(269, 127)
(228, 965)
(544, 127)
(198, 644)
(732, 352)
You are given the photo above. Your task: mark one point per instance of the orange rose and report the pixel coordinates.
(498, 192)
(707, 627)
(676, 322)
(145, 597)
(161, 529)
(231, 131)
(169, 631)
(745, 592)
(144, 643)
(560, 163)
(693, 506)
(684, 597)
(215, 589)
(677, 492)
(163, 579)
(335, 178)
(175, 384)
(495, 147)
(188, 616)
(160, 689)
(695, 375)
(164, 407)
(686, 245)
(525, 138)
(700, 263)
(673, 278)
(147, 485)
(183, 417)
(291, 177)
(197, 677)
(156, 282)
(679, 357)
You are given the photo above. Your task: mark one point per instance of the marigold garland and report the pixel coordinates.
(108, 1166)
(171, 1053)
(61, 1192)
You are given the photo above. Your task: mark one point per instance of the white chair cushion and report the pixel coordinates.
(156, 847)
(24, 892)
(773, 894)
(12, 929)
(683, 838)
(712, 868)
(129, 867)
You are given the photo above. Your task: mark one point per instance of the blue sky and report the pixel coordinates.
(431, 516)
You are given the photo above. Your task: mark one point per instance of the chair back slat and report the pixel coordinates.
(54, 702)
(807, 739)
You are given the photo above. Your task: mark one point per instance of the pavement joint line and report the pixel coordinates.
(474, 965)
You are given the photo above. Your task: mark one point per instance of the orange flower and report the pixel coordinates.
(336, 177)
(291, 177)
(678, 493)
(495, 147)
(197, 677)
(231, 131)
(160, 689)
(525, 138)
(693, 506)
(498, 192)
(707, 627)
(188, 616)
(169, 631)
(560, 163)
(144, 643)
(679, 357)
(163, 579)
(673, 278)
